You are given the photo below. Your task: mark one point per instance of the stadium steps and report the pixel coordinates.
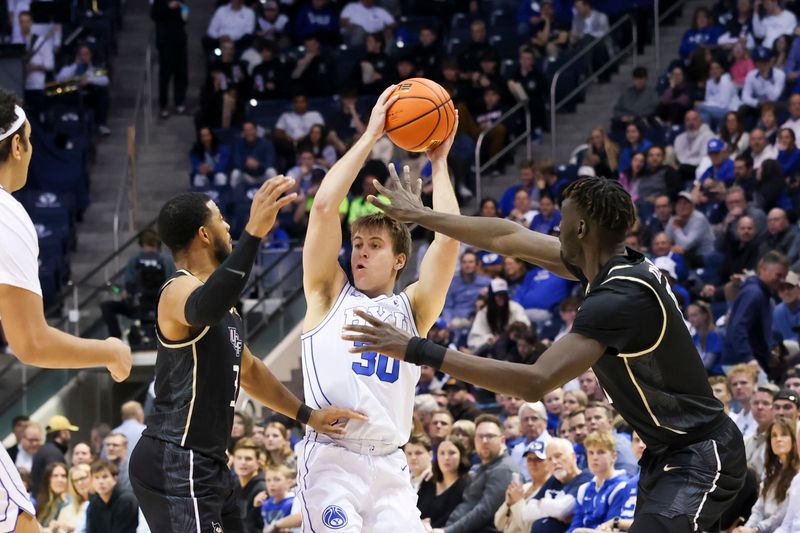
(163, 163)
(574, 128)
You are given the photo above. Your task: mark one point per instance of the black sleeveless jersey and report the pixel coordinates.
(197, 383)
(651, 370)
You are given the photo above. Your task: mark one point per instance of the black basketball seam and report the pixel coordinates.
(421, 116)
(438, 120)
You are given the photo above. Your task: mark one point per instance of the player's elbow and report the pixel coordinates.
(27, 347)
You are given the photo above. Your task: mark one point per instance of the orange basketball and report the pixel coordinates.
(422, 117)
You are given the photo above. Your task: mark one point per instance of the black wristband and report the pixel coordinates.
(304, 414)
(424, 352)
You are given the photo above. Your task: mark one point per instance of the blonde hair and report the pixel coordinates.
(76, 500)
(744, 368)
(600, 439)
(283, 470)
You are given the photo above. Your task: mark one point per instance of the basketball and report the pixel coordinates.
(423, 116)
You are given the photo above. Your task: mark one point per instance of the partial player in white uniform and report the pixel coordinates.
(21, 308)
(360, 482)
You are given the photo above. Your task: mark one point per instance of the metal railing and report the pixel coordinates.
(599, 41)
(129, 183)
(675, 5)
(522, 105)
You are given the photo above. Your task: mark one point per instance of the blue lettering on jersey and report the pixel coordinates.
(372, 363)
(334, 517)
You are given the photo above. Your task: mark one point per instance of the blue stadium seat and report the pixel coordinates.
(265, 113)
(568, 172)
(505, 42)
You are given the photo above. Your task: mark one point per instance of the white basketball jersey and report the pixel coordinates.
(380, 387)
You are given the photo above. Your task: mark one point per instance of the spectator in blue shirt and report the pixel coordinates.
(279, 503)
(786, 317)
(550, 509)
(661, 246)
(318, 18)
(540, 293)
(702, 33)
(602, 498)
(527, 173)
(706, 339)
(631, 490)
(210, 160)
(459, 306)
(749, 330)
(634, 143)
(721, 168)
(788, 153)
(253, 157)
(528, 15)
(548, 218)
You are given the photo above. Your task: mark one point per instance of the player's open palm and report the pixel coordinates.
(405, 203)
(332, 420)
(267, 202)
(378, 336)
(120, 362)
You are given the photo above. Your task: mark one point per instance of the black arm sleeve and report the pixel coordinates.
(208, 304)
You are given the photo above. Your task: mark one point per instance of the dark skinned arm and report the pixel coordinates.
(486, 233)
(566, 359)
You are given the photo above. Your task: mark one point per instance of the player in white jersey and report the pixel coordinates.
(21, 308)
(361, 482)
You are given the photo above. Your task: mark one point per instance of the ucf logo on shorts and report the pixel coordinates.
(236, 342)
(217, 527)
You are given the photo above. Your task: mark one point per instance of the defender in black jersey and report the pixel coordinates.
(178, 469)
(629, 329)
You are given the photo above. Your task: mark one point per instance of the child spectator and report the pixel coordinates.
(279, 503)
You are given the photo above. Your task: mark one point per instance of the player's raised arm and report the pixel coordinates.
(566, 359)
(322, 277)
(262, 385)
(187, 302)
(427, 295)
(493, 234)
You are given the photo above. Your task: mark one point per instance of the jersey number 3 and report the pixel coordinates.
(367, 366)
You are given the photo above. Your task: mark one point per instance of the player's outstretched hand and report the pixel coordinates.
(120, 363)
(328, 419)
(267, 202)
(378, 336)
(405, 204)
(441, 151)
(377, 119)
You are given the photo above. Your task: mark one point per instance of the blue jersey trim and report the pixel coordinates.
(306, 372)
(305, 483)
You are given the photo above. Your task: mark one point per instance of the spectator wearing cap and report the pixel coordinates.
(459, 306)
(485, 493)
(540, 292)
(362, 17)
(756, 440)
(549, 216)
(786, 316)
(777, 22)
(749, 329)
(253, 157)
(533, 425)
(601, 499)
(690, 230)
(495, 317)
(691, 145)
(764, 84)
(636, 102)
(669, 268)
(719, 96)
(232, 21)
(721, 168)
(458, 400)
(551, 509)
(319, 18)
(272, 24)
(702, 33)
(508, 517)
(59, 430)
(787, 405)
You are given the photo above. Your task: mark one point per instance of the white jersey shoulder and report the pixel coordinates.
(377, 385)
(19, 246)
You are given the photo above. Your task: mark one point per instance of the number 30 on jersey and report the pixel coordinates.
(373, 363)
